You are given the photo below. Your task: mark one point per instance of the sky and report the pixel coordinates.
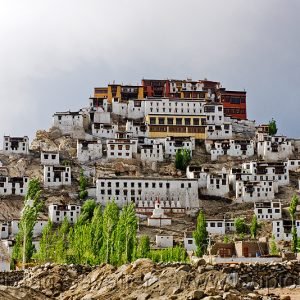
(53, 53)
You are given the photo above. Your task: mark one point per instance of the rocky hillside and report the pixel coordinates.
(144, 279)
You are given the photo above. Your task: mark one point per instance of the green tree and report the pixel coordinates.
(254, 227)
(273, 246)
(126, 234)
(143, 248)
(97, 232)
(240, 226)
(61, 242)
(201, 235)
(24, 248)
(226, 239)
(272, 127)
(292, 211)
(182, 159)
(83, 181)
(46, 250)
(87, 211)
(110, 221)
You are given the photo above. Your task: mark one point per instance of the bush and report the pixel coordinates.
(83, 194)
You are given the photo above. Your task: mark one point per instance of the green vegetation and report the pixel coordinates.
(292, 210)
(83, 181)
(182, 159)
(240, 226)
(272, 127)
(201, 235)
(254, 227)
(273, 246)
(177, 254)
(24, 248)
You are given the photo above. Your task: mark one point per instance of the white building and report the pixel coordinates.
(56, 176)
(166, 106)
(158, 217)
(50, 158)
(4, 230)
(88, 150)
(199, 173)
(121, 148)
(99, 111)
(37, 229)
(13, 185)
(152, 153)
(189, 242)
(164, 241)
(214, 113)
(268, 210)
(68, 122)
(282, 229)
(275, 171)
(250, 191)
(234, 148)
(124, 189)
(101, 130)
(219, 132)
(57, 213)
(274, 148)
(219, 226)
(138, 129)
(173, 144)
(15, 145)
(216, 185)
(293, 164)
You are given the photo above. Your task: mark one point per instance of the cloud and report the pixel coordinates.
(54, 52)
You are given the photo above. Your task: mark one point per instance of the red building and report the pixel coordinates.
(155, 88)
(234, 103)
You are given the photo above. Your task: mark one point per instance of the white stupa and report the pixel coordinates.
(158, 217)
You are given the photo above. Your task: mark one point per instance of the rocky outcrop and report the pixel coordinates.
(144, 279)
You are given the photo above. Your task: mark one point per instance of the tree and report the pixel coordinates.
(97, 232)
(61, 242)
(272, 127)
(143, 248)
(254, 227)
(201, 235)
(240, 226)
(292, 211)
(24, 248)
(126, 234)
(273, 246)
(46, 250)
(110, 221)
(83, 181)
(182, 159)
(87, 211)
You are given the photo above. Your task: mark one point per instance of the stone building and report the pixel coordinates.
(15, 145)
(50, 158)
(13, 185)
(57, 176)
(57, 213)
(88, 150)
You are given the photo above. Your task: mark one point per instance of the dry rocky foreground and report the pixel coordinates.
(144, 279)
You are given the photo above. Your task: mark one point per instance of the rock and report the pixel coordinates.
(147, 276)
(185, 268)
(230, 296)
(143, 296)
(195, 295)
(285, 297)
(176, 291)
(254, 296)
(150, 281)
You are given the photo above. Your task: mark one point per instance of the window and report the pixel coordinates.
(170, 121)
(152, 120)
(196, 121)
(190, 242)
(219, 224)
(161, 121)
(178, 121)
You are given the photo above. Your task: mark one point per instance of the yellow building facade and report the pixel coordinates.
(161, 126)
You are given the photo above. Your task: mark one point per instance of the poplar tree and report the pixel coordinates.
(125, 242)
(24, 248)
(201, 235)
(110, 221)
(292, 211)
(61, 242)
(46, 250)
(87, 211)
(254, 227)
(143, 248)
(97, 232)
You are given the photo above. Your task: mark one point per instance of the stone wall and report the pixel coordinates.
(11, 278)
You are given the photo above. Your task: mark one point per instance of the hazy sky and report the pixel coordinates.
(53, 53)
